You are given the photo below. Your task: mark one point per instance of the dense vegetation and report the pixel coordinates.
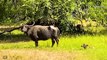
(67, 13)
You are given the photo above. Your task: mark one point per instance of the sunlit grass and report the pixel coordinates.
(69, 46)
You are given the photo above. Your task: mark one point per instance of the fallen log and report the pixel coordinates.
(10, 30)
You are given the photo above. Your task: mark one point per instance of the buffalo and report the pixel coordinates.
(39, 32)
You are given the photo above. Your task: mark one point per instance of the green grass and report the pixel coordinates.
(69, 46)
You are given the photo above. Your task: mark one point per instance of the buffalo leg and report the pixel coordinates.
(53, 42)
(57, 41)
(36, 43)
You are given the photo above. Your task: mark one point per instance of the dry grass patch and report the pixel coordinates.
(31, 54)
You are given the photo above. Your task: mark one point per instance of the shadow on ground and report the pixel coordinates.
(10, 38)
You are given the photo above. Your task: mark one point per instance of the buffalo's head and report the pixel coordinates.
(25, 28)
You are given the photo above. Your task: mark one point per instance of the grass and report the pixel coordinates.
(69, 48)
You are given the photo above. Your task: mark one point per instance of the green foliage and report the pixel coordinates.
(14, 11)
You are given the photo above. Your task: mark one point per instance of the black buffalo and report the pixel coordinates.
(39, 32)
